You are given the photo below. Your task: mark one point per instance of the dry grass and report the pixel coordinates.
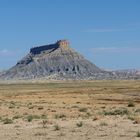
(45, 104)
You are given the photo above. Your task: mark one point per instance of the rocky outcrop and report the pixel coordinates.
(54, 61)
(60, 62)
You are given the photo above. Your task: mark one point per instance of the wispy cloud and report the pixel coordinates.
(6, 52)
(103, 30)
(115, 49)
(126, 27)
(134, 24)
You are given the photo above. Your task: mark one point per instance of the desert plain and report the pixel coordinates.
(70, 110)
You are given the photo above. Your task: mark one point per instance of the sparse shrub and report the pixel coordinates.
(137, 121)
(31, 117)
(95, 118)
(79, 124)
(29, 103)
(31, 107)
(88, 114)
(17, 117)
(103, 124)
(40, 108)
(83, 109)
(131, 104)
(137, 110)
(43, 116)
(116, 112)
(12, 103)
(44, 123)
(11, 106)
(0, 119)
(131, 118)
(56, 127)
(103, 107)
(78, 102)
(7, 121)
(62, 134)
(138, 134)
(75, 106)
(58, 116)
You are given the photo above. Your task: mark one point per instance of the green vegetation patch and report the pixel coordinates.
(117, 112)
(7, 121)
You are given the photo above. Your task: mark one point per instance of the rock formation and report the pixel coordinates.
(54, 61)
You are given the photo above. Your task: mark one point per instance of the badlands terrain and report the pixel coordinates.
(72, 110)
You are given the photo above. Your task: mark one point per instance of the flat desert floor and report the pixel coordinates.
(72, 110)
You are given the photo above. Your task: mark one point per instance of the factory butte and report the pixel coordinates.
(59, 61)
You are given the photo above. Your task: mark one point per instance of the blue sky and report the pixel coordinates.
(107, 32)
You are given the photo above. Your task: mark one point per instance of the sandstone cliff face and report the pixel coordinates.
(55, 61)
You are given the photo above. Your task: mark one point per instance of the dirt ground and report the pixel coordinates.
(72, 110)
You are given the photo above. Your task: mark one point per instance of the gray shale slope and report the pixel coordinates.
(54, 61)
(60, 62)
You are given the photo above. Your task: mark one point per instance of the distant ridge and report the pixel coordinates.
(54, 61)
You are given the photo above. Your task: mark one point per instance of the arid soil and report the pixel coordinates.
(72, 110)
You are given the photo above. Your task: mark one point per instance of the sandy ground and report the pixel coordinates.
(89, 110)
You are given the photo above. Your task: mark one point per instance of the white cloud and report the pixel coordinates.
(6, 52)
